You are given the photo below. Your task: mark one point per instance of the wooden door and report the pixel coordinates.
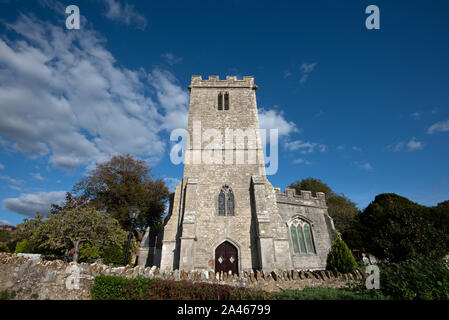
(226, 258)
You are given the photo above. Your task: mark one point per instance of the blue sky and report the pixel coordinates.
(366, 111)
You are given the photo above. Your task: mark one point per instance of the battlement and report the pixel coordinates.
(215, 82)
(305, 197)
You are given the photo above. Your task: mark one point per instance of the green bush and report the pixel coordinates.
(114, 255)
(89, 253)
(341, 258)
(4, 247)
(317, 293)
(24, 247)
(416, 279)
(108, 288)
(118, 288)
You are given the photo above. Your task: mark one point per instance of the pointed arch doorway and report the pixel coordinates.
(226, 258)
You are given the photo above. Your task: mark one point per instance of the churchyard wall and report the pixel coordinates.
(30, 277)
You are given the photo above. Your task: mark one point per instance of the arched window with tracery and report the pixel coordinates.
(301, 236)
(226, 201)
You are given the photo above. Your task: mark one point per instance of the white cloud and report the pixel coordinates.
(172, 98)
(171, 58)
(64, 97)
(411, 145)
(366, 166)
(416, 115)
(272, 119)
(397, 147)
(287, 73)
(414, 145)
(2, 166)
(306, 147)
(306, 69)
(440, 126)
(28, 204)
(37, 176)
(300, 160)
(341, 147)
(355, 148)
(124, 13)
(10, 180)
(4, 222)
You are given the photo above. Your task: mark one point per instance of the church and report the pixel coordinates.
(225, 215)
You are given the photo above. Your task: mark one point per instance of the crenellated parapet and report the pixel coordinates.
(304, 198)
(215, 82)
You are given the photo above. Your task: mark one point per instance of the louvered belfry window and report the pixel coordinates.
(225, 97)
(220, 101)
(226, 202)
(226, 101)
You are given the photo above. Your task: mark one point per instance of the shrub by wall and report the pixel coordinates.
(341, 258)
(24, 247)
(118, 288)
(416, 279)
(4, 247)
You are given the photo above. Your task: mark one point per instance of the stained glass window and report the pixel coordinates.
(301, 239)
(230, 203)
(221, 203)
(301, 235)
(310, 248)
(294, 239)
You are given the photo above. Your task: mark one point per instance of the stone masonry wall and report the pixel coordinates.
(313, 210)
(31, 277)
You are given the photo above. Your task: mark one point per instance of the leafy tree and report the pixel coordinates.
(396, 228)
(341, 258)
(36, 238)
(440, 217)
(24, 247)
(342, 210)
(6, 241)
(5, 236)
(115, 254)
(312, 184)
(121, 182)
(73, 226)
(89, 252)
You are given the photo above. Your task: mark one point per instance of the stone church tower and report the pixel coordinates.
(225, 215)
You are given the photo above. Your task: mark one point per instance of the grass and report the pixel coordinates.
(6, 295)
